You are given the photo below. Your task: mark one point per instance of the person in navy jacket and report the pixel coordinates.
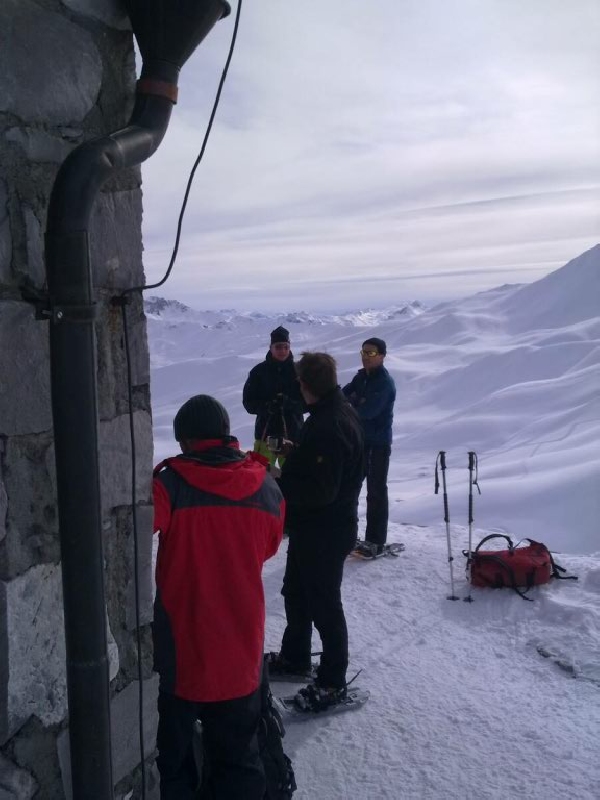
(220, 516)
(372, 392)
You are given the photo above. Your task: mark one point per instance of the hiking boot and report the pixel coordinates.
(279, 666)
(315, 698)
(368, 549)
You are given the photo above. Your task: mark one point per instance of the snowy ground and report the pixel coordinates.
(463, 704)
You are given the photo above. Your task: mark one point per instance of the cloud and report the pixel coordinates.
(389, 140)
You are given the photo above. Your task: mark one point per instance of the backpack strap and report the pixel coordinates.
(495, 536)
(159, 467)
(556, 568)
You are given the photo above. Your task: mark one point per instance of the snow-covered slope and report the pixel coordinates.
(471, 375)
(492, 700)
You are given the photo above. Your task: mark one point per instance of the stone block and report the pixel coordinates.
(25, 370)
(145, 516)
(124, 726)
(116, 239)
(5, 237)
(40, 146)
(33, 748)
(3, 496)
(32, 660)
(138, 342)
(29, 478)
(112, 366)
(111, 12)
(15, 783)
(124, 732)
(36, 269)
(60, 85)
(120, 569)
(115, 460)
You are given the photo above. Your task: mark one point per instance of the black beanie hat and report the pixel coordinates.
(378, 343)
(201, 417)
(280, 334)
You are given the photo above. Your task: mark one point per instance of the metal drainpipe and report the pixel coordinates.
(73, 374)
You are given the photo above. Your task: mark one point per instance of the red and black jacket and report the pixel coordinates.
(220, 516)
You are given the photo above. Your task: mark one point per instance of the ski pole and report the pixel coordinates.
(472, 482)
(441, 460)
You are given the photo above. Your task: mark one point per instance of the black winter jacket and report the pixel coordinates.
(322, 477)
(272, 393)
(373, 395)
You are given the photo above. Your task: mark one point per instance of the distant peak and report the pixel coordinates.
(159, 305)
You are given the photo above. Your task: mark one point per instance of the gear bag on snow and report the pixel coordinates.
(279, 773)
(281, 783)
(517, 568)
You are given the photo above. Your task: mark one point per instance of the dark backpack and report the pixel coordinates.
(517, 568)
(281, 783)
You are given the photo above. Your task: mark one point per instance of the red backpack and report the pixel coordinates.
(517, 568)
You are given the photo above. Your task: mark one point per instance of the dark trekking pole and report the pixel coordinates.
(441, 460)
(473, 481)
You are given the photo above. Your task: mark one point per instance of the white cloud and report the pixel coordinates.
(341, 124)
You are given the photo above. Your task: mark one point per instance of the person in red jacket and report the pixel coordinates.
(220, 516)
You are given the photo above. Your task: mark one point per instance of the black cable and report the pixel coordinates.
(123, 301)
(196, 162)
(136, 565)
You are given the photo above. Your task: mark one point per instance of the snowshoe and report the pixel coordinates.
(280, 669)
(368, 550)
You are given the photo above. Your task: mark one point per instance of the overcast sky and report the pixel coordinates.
(368, 153)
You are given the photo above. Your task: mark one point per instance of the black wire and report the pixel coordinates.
(135, 552)
(123, 301)
(196, 162)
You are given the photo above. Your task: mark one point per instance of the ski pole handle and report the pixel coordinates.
(440, 460)
(473, 465)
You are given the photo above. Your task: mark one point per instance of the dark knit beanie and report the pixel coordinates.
(201, 417)
(378, 343)
(280, 334)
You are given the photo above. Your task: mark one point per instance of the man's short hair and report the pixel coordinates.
(318, 372)
(378, 343)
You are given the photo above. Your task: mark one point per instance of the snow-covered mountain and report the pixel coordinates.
(173, 310)
(512, 373)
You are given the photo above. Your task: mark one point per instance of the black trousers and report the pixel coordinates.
(312, 594)
(230, 748)
(377, 462)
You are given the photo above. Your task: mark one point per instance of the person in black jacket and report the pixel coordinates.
(320, 481)
(272, 393)
(372, 392)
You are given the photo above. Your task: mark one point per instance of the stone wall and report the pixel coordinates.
(68, 75)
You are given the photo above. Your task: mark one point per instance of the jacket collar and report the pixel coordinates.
(328, 400)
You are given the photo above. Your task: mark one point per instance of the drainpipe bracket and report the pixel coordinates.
(46, 311)
(68, 313)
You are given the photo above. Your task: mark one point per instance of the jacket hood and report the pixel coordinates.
(219, 468)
